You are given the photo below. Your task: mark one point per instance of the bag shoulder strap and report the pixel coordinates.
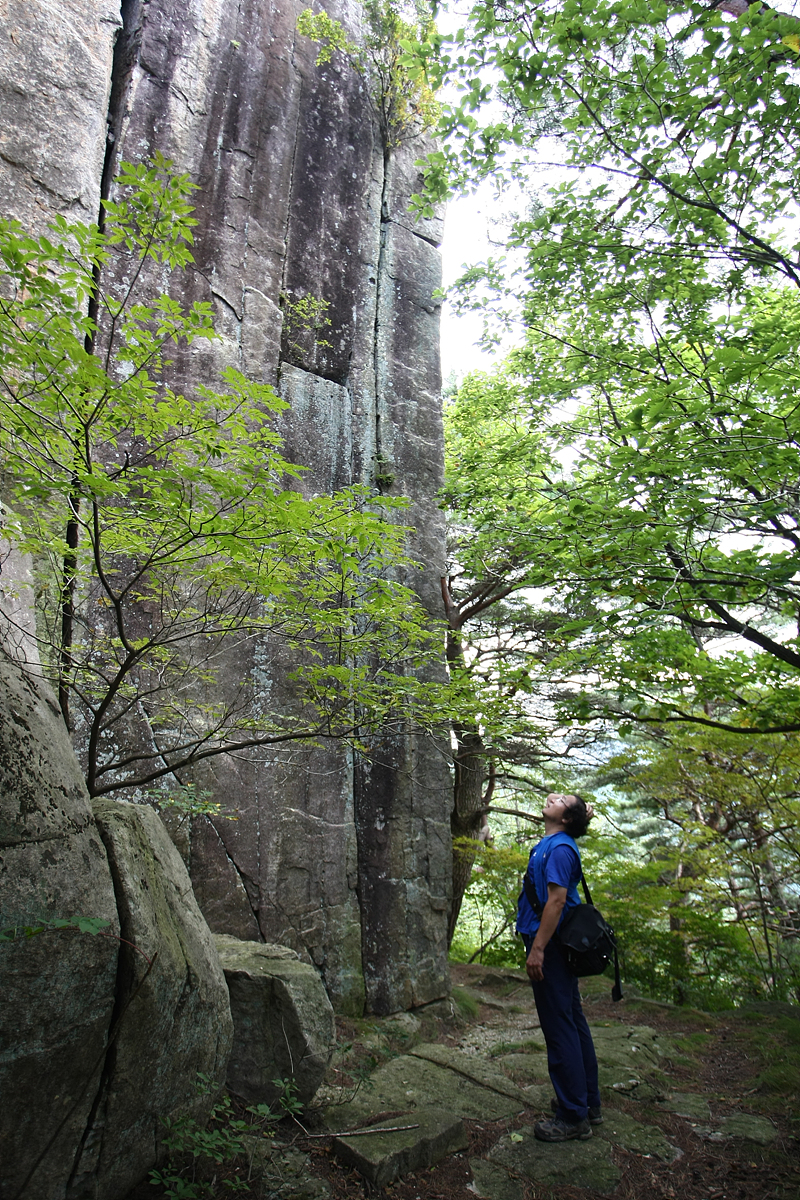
(585, 887)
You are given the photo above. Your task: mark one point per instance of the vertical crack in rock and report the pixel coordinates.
(282, 299)
(379, 280)
(126, 47)
(126, 53)
(89, 1149)
(241, 876)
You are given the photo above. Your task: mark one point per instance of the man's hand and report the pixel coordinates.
(534, 963)
(551, 914)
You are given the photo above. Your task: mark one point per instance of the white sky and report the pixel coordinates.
(466, 226)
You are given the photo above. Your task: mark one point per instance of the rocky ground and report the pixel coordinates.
(696, 1106)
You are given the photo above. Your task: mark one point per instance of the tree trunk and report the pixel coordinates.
(466, 816)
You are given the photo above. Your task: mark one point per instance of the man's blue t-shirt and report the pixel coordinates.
(556, 859)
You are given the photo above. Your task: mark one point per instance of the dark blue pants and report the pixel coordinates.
(571, 1060)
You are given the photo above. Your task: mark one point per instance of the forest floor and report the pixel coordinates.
(742, 1065)
(742, 1061)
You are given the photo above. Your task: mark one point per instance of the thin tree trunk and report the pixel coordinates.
(466, 815)
(69, 569)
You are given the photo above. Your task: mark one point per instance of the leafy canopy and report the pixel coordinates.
(639, 455)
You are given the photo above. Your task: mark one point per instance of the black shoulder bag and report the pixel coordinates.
(587, 940)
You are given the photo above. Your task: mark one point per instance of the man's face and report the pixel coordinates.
(555, 804)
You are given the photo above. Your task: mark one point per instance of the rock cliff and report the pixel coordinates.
(344, 859)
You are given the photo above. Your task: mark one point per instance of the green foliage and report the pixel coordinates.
(404, 102)
(717, 819)
(667, 542)
(186, 802)
(329, 34)
(485, 931)
(306, 315)
(167, 529)
(689, 109)
(774, 1043)
(623, 490)
(642, 446)
(213, 1159)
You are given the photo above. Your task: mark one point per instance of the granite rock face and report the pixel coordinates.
(54, 90)
(100, 1038)
(57, 987)
(346, 860)
(282, 1020)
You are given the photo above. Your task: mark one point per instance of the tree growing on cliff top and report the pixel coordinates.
(167, 532)
(404, 102)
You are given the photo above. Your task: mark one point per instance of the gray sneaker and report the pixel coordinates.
(556, 1130)
(595, 1114)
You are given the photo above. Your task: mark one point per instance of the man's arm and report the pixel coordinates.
(551, 915)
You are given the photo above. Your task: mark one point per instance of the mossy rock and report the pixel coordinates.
(558, 1164)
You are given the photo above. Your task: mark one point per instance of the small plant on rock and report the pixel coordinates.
(216, 1159)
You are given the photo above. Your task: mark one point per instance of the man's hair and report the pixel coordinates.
(576, 818)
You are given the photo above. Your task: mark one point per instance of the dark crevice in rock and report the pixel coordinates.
(282, 298)
(380, 271)
(417, 233)
(126, 53)
(376, 789)
(45, 837)
(239, 317)
(89, 1149)
(243, 878)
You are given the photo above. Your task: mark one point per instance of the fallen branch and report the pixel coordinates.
(363, 1132)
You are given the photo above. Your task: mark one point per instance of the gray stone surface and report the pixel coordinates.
(622, 1130)
(558, 1164)
(57, 988)
(346, 860)
(471, 1067)
(746, 1126)
(492, 1182)
(384, 1157)
(17, 620)
(55, 79)
(173, 1011)
(407, 1083)
(282, 1020)
(527, 1068)
(627, 1056)
(687, 1104)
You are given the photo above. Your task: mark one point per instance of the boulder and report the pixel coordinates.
(172, 1021)
(57, 986)
(411, 1082)
(282, 1018)
(393, 1148)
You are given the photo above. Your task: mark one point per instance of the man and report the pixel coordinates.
(554, 871)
